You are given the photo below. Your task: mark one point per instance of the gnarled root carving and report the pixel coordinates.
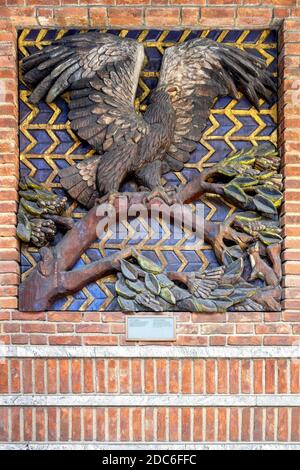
(53, 276)
(47, 282)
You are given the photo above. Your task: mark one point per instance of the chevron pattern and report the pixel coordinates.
(47, 144)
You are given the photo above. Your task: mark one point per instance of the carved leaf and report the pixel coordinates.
(244, 181)
(269, 238)
(127, 305)
(235, 193)
(271, 193)
(23, 228)
(265, 206)
(148, 265)
(128, 270)
(167, 295)
(123, 290)
(152, 284)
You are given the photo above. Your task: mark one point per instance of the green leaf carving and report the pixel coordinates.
(265, 206)
(128, 270)
(244, 181)
(167, 295)
(148, 265)
(23, 228)
(269, 238)
(123, 290)
(152, 284)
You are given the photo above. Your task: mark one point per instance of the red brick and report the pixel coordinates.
(124, 17)
(164, 17)
(253, 16)
(15, 424)
(71, 16)
(149, 424)
(52, 424)
(173, 424)
(210, 376)
(222, 424)
(124, 424)
(161, 424)
(88, 424)
(124, 375)
(282, 430)
(295, 425)
(225, 15)
(3, 376)
(15, 379)
(112, 424)
(222, 368)
(39, 368)
(136, 371)
(64, 424)
(185, 424)
(190, 16)
(137, 424)
(27, 423)
(210, 424)
(244, 340)
(4, 424)
(270, 424)
(234, 376)
(270, 375)
(281, 340)
(258, 425)
(88, 376)
(198, 376)
(245, 376)
(258, 375)
(19, 339)
(27, 376)
(192, 340)
(149, 376)
(76, 375)
(186, 376)
(76, 424)
(40, 424)
(100, 376)
(51, 375)
(234, 424)
(64, 375)
(295, 376)
(198, 425)
(112, 376)
(245, 424)
(61, 340)
(100, 424)
(100, 340)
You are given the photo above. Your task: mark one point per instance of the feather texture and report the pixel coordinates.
(202, 70)
(102, 72)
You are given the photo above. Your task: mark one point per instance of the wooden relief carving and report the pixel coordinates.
(102, 73)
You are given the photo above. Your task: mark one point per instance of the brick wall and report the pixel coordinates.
(186, 400)
(208, 421)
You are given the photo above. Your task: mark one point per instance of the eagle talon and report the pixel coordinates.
(163, 193)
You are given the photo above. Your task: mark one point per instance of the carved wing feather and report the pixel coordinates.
(102, 71)
(202, 70)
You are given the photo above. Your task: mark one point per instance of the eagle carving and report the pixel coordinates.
(102, 72)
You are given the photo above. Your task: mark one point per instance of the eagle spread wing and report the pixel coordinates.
(198, 71)
(102, 71)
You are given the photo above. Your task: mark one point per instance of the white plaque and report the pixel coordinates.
(150, 328)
